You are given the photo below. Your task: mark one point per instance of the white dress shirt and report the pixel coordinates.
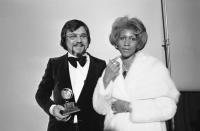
(78, 76)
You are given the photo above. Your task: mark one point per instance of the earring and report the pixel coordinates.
(116, 46)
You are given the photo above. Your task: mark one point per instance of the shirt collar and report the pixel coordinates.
(70, 55)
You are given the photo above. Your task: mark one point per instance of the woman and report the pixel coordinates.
(135, 91)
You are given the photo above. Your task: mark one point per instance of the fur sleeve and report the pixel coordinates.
(102, 97)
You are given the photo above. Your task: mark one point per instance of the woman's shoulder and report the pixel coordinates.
(149, 61)
(145, 57)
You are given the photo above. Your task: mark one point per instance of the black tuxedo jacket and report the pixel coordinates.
(56, 78)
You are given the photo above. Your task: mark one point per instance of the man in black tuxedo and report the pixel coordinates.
(71, 78)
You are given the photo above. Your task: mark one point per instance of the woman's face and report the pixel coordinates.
(127, 43)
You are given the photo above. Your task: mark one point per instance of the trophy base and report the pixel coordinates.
(70, 108)
(70, 111)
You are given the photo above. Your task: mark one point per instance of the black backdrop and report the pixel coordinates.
(187, 117)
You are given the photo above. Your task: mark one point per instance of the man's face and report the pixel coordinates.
(77, 41)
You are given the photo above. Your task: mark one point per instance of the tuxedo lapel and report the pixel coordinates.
(88, 81)
(64, 76)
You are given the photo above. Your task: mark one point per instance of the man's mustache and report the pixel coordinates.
(79, 43)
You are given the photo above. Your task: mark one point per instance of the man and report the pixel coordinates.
(71, 79)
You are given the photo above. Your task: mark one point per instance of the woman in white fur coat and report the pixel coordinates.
(135, 91)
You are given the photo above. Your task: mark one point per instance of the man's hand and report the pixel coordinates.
(57, 113)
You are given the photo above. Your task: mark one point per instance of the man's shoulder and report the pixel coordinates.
(95, 58)
(58, 59)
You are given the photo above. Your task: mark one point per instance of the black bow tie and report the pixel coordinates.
(73, 61)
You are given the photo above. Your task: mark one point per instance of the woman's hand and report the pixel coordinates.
(111, 71)
(120, 106)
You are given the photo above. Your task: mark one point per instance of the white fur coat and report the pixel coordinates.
(149, 89)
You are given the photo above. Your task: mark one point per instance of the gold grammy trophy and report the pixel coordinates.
(70, 107)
